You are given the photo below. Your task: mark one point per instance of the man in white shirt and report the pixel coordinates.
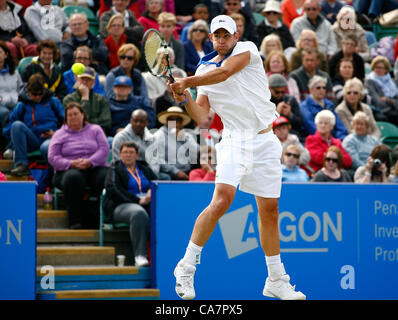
(232, 81)
(47, 21)
(313, 20)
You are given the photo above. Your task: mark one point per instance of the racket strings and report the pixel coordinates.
(155, 54)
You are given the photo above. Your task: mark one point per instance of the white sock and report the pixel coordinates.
(274, 266)
(192, 254)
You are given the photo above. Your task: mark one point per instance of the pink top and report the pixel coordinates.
(201, 175)
(2, 177)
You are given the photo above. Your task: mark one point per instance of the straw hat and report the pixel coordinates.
(174, 111)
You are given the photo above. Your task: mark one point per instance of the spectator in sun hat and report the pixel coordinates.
(123, 102)
(272, 24)
(281, 127)
(169, 139)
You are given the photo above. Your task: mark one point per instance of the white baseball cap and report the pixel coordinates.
(223, 22)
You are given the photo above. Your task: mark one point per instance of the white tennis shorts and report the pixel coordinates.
(254, 164)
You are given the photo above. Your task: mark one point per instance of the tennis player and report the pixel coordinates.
(232, 81)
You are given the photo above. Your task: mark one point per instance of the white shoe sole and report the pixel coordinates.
(181, 294)
(269, 294)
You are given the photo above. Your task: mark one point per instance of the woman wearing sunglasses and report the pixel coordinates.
(197, 45)
(332, 167)
(353, 93)
(115, 39)
(129, 57)
(291, 172)
(272, 24)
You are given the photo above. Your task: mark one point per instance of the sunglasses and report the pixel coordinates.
(279, 91)
(319, 88)
(294, 155)
(271, 13)
(310, 9)
(353, 92)
(129, 58)
(200, 30)
(332, 159)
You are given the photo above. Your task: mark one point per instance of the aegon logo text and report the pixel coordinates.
(239, 230)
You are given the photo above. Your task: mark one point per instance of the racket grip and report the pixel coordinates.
(172, 80)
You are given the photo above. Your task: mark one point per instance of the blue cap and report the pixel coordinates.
(123, 81)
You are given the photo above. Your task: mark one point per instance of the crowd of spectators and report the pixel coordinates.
(328, 87)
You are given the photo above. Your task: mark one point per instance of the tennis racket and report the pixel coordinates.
(156, 54)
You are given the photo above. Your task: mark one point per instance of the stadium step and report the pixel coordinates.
(91, 278)
(82, 270)
(75, 255)
(67, 236)
(117, 294)
(6, 165)
(52, 229)
(52, 219)
(14, 178)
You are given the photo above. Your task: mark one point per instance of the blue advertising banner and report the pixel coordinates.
(17, 240)
(338, 241)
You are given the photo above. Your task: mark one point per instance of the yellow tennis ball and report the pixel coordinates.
(78, 68)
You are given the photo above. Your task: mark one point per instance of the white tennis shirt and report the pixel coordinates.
(243, 100)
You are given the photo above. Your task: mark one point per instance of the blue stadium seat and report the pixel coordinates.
(23, 63)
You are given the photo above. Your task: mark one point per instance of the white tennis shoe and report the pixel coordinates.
(282, 289)
(184, 274)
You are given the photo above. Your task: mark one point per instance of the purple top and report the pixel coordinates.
(67, 145)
